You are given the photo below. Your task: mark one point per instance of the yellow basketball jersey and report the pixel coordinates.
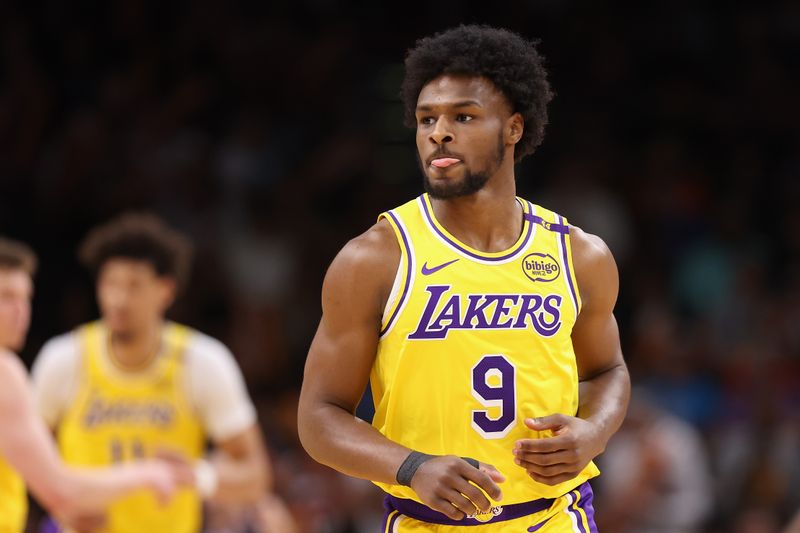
(13, 500)
(472, 343)
(119, 416)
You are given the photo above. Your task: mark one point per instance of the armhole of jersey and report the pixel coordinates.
(565, 247)
(178, 341)
(180, 338)
(88, 351)
(404, 276)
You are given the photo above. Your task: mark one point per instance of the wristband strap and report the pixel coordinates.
(205, 479)
(410, 466)
(473, 462)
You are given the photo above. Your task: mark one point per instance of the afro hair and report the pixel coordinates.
(139, 236)
(509, 61)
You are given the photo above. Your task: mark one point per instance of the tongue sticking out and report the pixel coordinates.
(444, 162)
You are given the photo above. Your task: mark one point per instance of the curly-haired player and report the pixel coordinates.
(134, 384)
(482, 321)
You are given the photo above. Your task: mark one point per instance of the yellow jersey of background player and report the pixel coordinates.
(134, 385)
(27, 452)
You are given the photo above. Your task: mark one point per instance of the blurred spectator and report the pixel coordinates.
(656, 476)
(794, 526)
(268, 515)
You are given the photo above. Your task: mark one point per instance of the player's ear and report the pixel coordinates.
(169, 289)
(515, 126)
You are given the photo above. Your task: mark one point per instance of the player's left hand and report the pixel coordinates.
(553, 460)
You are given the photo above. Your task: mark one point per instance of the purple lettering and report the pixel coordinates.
(548, 328)
(443, 312)
(476, 310)
(502, 309)
(450, 317)
(422, 331)
(530, 304)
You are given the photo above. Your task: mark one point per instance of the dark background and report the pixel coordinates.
(271, 133)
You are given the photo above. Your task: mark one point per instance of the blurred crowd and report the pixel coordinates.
(271, 133)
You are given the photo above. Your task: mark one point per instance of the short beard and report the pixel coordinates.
(472, 182)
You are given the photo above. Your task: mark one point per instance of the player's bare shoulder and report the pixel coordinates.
(9, 361)
(364, 269)
(595, 268)
(12, 377)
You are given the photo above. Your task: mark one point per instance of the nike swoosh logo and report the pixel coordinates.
(540, 525)
(428, 271)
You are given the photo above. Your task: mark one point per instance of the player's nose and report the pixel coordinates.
(442, 132)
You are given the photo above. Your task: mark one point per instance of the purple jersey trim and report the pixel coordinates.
(458, 246)
(587, 495)
(48, 525)
(565, 256)
(582, 498)
(572, 509)
(409, 271)
(423, 513)
(390, 522)
(549, 226)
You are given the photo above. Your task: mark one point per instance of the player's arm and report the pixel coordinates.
(242, 467)
(28, 447)
(605, 384)
(604, 379)
(238, 469)
(354, 294)
(54, 378)
(340, 359)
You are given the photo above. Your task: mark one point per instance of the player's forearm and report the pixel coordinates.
(337, 438)
(604, 400)
(26, 443)
(75, 491)
(239, 480)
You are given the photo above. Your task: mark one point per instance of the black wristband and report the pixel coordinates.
(473, 462)
(410, 466)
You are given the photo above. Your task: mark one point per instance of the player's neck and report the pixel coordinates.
(489, 220)
(135, 350)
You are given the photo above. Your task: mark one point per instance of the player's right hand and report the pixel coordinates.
(161, 477)
(452, 486)
(182, 467)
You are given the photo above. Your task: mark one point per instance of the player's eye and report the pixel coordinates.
(462, 117)
(426, 121)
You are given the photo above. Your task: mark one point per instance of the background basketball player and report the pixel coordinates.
(27, 453)
(134, 384)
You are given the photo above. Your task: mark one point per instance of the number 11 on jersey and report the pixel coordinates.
(494, 386)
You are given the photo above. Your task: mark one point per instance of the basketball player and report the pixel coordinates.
(26, 449)
(482, 321)
(133, 384)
